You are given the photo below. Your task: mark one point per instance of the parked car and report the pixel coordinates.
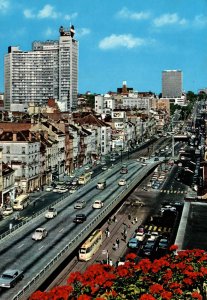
(39, 234)
(98, 204)
(168, 208)
(140, 236)
(141, 229)
(75, 181)
(163, 244)
(80, 204)
(62, 190)
(153, 236)
(51, 213)
(133, 243)
(148, 248)
(104, 168)
(73, 189)
(7, 211)
(122, 182)
(49, 188)
(80, 218)
(57, 188)
(10, 277)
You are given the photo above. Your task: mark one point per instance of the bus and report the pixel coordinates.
(21, 202)
(91, 246)
(101, 184)
(83, 179)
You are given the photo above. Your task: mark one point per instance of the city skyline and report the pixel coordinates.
(117, 40)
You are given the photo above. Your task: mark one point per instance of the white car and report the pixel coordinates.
(153, 236)
(62, 190)
(51, 213)
(73, 189)
(122, 182)
(8, 211)
(49, 188)
(140, 236)
(57, 188)
(168, 207)
(97, 204)
(39, 234)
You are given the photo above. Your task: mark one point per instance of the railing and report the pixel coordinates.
(71, 246)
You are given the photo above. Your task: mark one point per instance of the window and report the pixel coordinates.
(7, 149)
(23, 150)
(8, 159)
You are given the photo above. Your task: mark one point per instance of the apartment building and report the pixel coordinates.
(172, 81)
(49, 70)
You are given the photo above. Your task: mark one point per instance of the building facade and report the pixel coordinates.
(49, 70)
(172, 83)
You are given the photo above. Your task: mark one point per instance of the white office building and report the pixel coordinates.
(172, 83)
(49, 70)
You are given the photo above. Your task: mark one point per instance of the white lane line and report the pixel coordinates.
(41, 247)
(61, 230)
(20, 246)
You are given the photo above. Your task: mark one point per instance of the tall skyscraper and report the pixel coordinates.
(50, 70)
(172, 84)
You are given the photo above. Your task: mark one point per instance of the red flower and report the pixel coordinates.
(84, 297)
(173, 248)
(196, 295)
(131, 256)
(166, 295)
(147, 297)
(156, 288)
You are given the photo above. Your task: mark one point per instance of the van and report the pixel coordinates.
(21, 202)
(101, 185)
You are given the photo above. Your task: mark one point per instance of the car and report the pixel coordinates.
(140, 236)
(112, 159)
(148, 248)
(39, 234)
(57, 188)
(153, 236)
(141, 229)
(122, 182)
(168, 207)
(73, 189)
(163, 244)
(10, 277)
(51, 213)
(49, 188)
(103, 162)
(124, 171)
(80, 204)
(7, 211)
(133, 243)
(75, 181)
(87, 168)
(62, 190)
(98, 204)
(104, 168)
(80, 218)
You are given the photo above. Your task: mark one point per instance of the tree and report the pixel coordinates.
(176, 276)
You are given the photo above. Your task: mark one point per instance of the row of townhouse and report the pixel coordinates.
(50, 148)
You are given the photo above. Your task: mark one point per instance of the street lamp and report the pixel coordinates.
(121, 154)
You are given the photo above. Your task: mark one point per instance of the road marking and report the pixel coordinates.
(61, 230)
(20, 246)
(41, 247)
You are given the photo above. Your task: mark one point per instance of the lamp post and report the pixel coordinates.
(121, 154)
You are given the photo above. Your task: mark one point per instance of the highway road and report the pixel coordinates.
(21, 252)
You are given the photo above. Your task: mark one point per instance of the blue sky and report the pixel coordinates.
(132, 40)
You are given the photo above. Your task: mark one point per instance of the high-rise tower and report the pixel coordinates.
(50, 70)
(171, 84)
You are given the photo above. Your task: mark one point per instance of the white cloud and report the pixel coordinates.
(28, 14)
(70, 17)
(127, 14)
(83, 31)
(169, 19)
(50, 32)
(48, 11)
(200, 21)
(4, 5)
(123, 40)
